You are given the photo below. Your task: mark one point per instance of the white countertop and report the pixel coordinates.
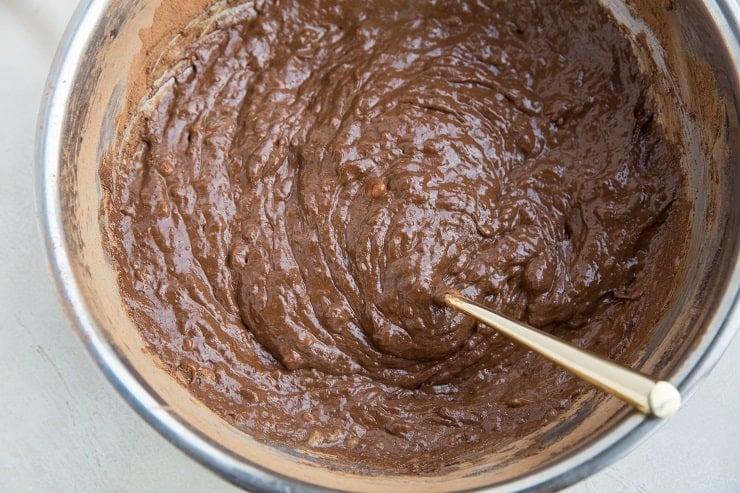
(64, 428)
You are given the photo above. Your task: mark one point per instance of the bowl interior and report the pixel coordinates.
(690, 43)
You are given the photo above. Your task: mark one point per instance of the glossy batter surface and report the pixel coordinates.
(291, 204)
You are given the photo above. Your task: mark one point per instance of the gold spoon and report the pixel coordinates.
(658, 398)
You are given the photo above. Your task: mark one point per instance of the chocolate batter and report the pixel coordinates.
(288, 207)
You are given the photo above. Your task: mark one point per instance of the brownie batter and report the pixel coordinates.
(291, 201)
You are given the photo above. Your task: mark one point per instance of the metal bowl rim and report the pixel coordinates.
(133, 388)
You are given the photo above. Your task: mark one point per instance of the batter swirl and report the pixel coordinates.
(293, 200)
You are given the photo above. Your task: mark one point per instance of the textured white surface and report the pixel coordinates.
(63, 427)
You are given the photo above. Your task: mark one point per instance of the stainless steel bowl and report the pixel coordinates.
(78, 125)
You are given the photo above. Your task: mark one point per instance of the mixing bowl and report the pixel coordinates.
(696, 45)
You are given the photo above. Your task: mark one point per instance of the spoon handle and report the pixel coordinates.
(658, 398)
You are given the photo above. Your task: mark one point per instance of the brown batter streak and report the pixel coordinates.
(293, 202)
